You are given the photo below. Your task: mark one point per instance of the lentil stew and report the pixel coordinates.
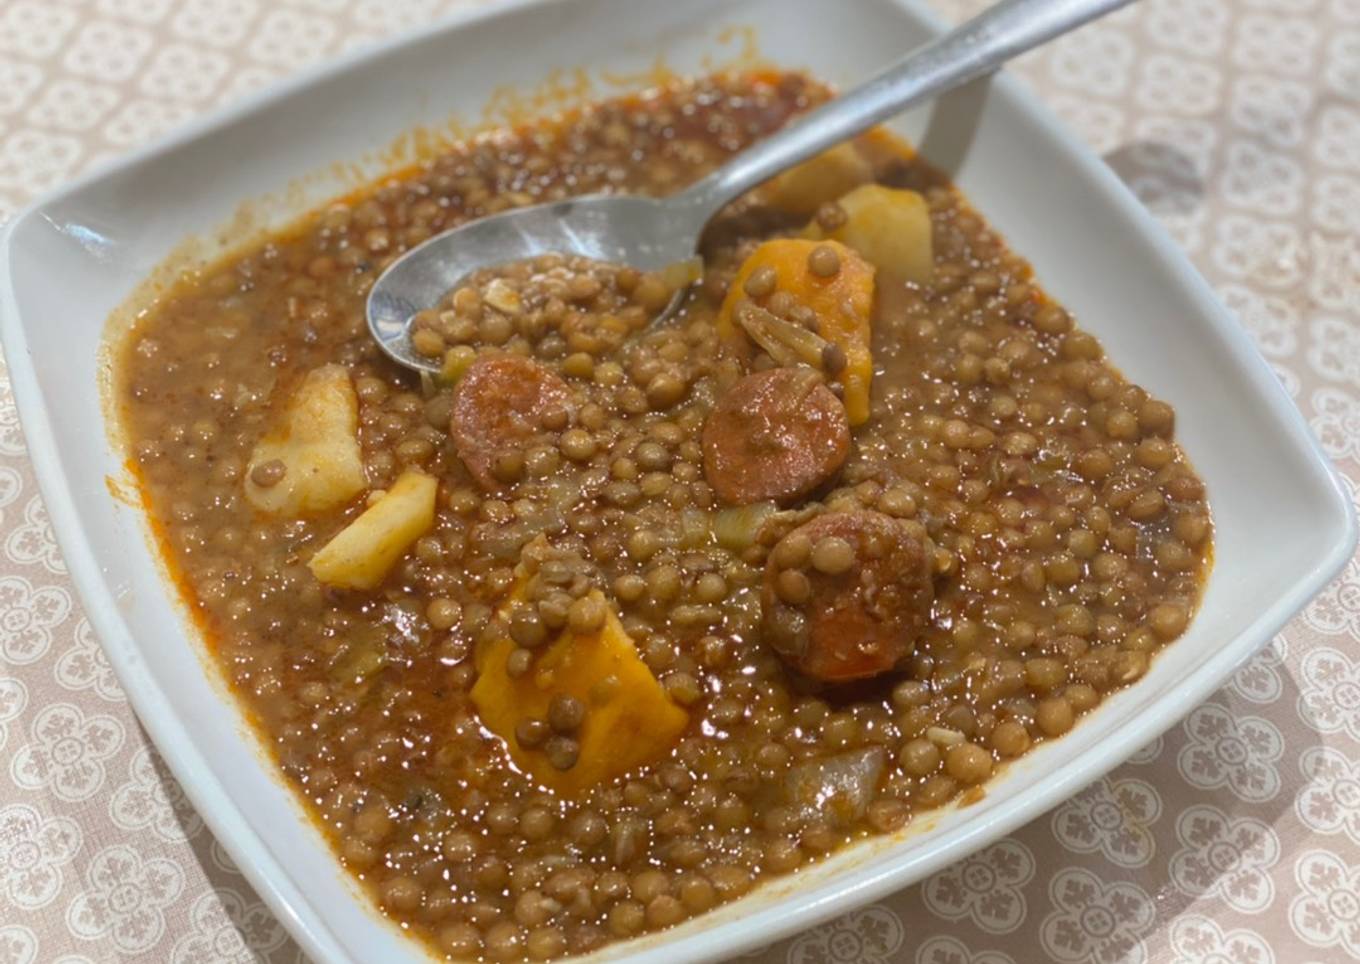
(615, 619)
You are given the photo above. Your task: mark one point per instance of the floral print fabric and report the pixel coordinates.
(1232, 839)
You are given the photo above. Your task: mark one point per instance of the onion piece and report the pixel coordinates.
(363, 655)
(838, 788)
(738, 528)
(943, 736)
(696, 529)
(788, 344)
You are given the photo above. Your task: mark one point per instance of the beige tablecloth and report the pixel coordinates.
(1234, 839)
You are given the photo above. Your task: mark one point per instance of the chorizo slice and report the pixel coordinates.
(501, 403)
(776, 435)
(847, 594)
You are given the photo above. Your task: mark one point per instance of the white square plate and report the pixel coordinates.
(1284, 526)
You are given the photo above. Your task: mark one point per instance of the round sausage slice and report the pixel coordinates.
(777, 435)
(500, 404)
(847, 594)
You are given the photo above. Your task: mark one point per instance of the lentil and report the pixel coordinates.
(823, 261)
(566, 713)
(832, 556)
(268, 474)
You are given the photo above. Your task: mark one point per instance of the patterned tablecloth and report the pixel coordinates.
(1233, 839)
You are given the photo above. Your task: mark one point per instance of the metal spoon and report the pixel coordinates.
(650, 233)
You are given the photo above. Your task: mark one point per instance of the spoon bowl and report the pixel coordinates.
(651, 233)
(643, 232)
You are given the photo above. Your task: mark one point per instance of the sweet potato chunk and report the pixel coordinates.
(842, 303)
(629, 718)
(316, 446)
(889, 227)
(360, 555)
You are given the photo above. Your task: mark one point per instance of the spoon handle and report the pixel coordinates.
(970, 50)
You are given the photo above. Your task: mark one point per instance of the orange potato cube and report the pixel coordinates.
(630, 719)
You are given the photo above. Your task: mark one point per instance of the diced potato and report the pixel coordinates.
(318, 444)
(360, 555)
(804, 188)
(889, 227)
(630, 720)
(843, 304)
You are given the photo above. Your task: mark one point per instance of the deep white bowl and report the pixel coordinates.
(68, 261)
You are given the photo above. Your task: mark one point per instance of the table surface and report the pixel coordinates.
(1234, 838)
